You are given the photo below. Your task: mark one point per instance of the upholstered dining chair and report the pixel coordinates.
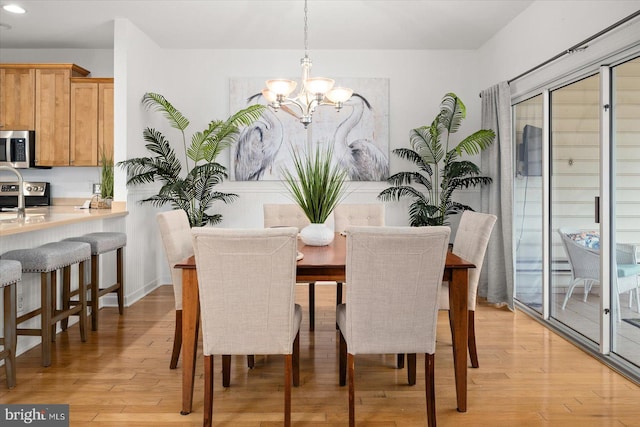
(394, 276)
(176, 238)
(247, 299)
(346, 214)
(470, 243)
(290, 215)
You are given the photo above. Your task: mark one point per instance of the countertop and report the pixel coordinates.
(42, 218)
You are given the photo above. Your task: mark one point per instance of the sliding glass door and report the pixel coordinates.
(625, 295)
(575, 285)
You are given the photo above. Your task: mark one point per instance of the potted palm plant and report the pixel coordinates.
(317, 185)
(440, 170)
(192, 191)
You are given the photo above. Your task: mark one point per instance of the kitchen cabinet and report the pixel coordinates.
(91, 120)
(17, 97)
(52, 112)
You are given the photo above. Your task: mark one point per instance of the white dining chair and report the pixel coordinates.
(175, 232)
(246, 280)
(394, 276)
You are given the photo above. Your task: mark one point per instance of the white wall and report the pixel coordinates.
(543, 30)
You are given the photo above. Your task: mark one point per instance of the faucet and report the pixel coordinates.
(20, 189)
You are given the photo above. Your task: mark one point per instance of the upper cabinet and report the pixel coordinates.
(17, 98)
(91, 120)
(53, 105)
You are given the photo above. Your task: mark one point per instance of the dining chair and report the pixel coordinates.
(175, 232)
(346, 214)
(470, 243)
(290, 215)
(394, 276)
(246, 280)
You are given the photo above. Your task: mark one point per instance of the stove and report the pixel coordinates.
(35, 194)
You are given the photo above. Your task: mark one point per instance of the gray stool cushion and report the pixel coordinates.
(10, 272)
(102, 241)
(51, 256)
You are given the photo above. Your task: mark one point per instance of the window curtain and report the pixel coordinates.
(496, 279)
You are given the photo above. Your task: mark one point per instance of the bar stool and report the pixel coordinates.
(102, 242)
(10, 275)
(47, 260)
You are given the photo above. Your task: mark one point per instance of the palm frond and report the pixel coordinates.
(159, 103)
(452, 113)
(476, 142)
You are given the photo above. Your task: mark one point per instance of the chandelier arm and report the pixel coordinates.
(288, 110)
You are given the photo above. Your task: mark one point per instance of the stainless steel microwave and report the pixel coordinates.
(17, 148)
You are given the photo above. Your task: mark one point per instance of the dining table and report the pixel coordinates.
(327, 263)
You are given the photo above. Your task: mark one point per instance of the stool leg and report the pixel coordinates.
(83, 301)
(10, 336)
(66, 296)
(120, 279)
(95, 291)
(45, 316)
(53, 295)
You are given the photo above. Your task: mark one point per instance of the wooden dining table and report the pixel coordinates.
(327, 263)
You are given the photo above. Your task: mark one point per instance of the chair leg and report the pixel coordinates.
(82, 287)
(296, 360)
(400, 360)
(473, 351)
(352, 390)
(342, 372)
(208, 391)
(288, 362)
(120, 278)
(66, 297)
(251, 361)
(10, 337)
(95, 291)
(411, 368)
(312, 306)
(226, 370)
(338, 297)
(177, 341)
(569, 292)
(45, 316)
(429, 364)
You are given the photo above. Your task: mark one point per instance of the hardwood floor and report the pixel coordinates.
(528, 376)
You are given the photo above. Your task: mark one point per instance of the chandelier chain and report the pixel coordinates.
(306, 30)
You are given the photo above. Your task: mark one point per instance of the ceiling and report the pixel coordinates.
(260, 24)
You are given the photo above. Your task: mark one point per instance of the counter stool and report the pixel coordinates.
(103, 242)
(10, 275)
(47, 260)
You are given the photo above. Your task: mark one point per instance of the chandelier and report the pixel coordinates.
(314, 91)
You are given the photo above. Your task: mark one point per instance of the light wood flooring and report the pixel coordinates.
(528, 376)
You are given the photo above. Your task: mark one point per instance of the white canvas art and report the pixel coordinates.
(359, 132)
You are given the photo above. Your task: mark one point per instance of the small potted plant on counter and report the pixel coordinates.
(103, 200)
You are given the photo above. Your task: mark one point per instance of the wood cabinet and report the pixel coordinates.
(52, 112)
(91, 120)
(17, 97)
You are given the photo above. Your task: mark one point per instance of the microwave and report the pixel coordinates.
(17, 148)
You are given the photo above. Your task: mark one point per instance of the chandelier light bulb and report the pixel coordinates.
(281, 87)
(318, 85)
(339, 94)
(269, 96)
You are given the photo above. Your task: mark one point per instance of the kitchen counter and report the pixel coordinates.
(42, 218)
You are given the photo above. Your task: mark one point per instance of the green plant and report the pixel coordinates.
(440, 170)
(193, 191)
(106, 176)
(317, 184)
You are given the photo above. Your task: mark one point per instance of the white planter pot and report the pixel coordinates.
(316, 235)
